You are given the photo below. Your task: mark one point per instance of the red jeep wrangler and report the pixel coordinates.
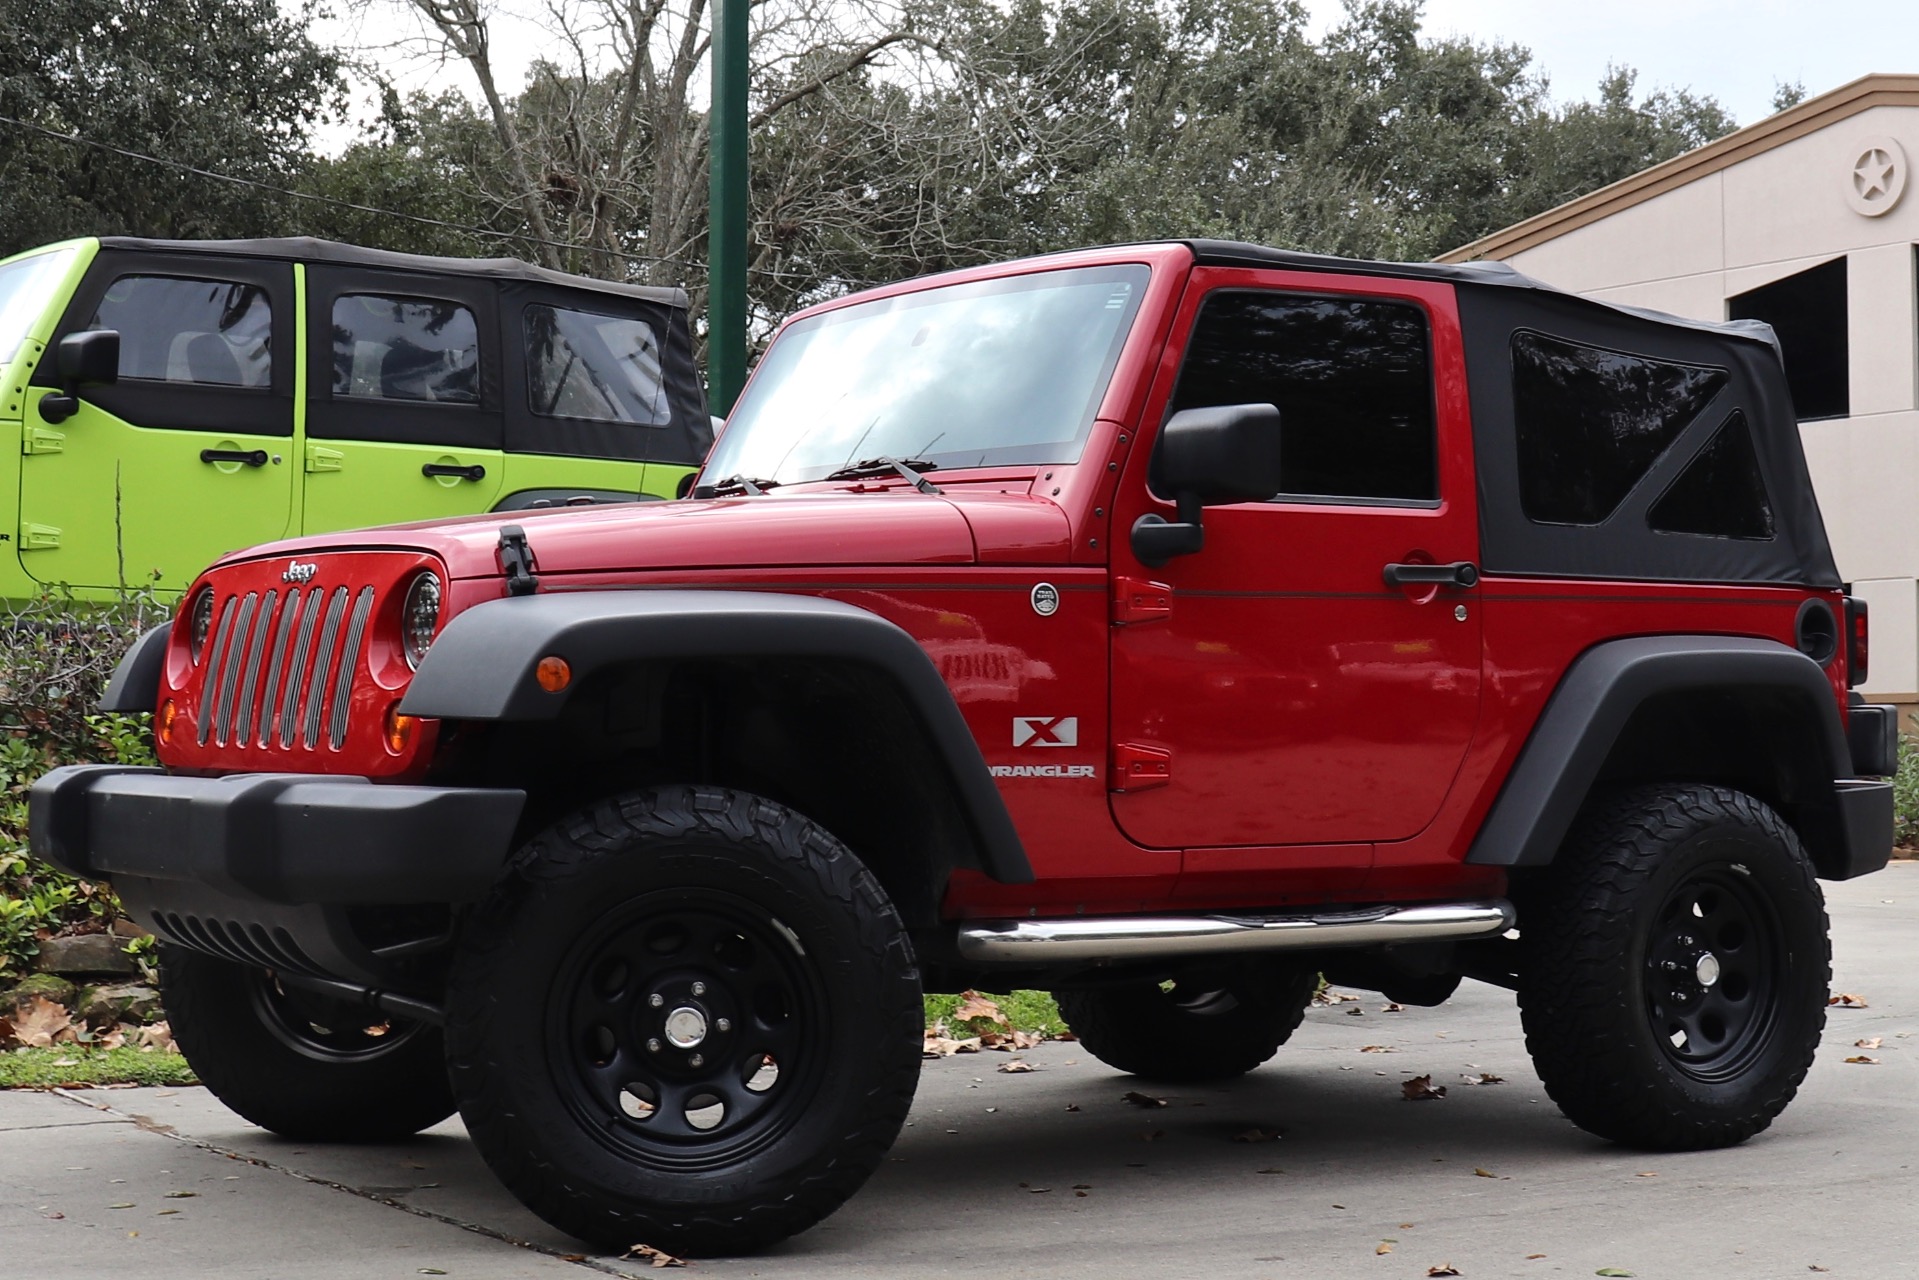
(1162, 625)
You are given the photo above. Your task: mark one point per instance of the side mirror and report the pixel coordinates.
(89, 359)
(1228, 453)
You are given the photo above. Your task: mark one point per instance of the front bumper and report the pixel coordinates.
(300, 873)
(288, 838)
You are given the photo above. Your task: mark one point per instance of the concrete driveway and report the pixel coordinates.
(1050, 1173)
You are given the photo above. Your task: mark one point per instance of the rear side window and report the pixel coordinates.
(207, 333)
(597, 367)
(1721, 493)
(1591, 422)
(410, 349)
(1351, 377)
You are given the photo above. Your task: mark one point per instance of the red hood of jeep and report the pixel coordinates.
(889, 527)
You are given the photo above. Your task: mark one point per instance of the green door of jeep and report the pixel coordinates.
(403, 397)
(187, 456)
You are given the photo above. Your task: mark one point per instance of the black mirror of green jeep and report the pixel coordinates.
(89, 359)
(1225, 453)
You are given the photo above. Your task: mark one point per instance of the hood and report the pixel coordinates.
(875, 527)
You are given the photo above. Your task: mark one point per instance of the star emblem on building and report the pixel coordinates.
(1872, 175)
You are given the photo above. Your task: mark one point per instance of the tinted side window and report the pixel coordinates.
(1721, 493)
(415, 349)
(602, 368)
(1351, 377)
(208, 333)
(1591, 422)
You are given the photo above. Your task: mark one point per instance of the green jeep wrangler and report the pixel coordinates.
(163, 402)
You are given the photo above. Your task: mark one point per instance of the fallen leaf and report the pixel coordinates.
(157, 1038)
(1269, 1171)
(1384, 1246)
(1863, 1060)
(66, 1062)
(1015, 1067)
(1484, 1173)
(166, 1213)
(656, 1257)
(1534, 1257)
(973, 1006)
(1027, 1039)
(428, 1271)
(1355, 1012)
(181, 1195)
(1813, 1266)
(1421, 1089)
(1039, 1191)
(1846, 1000)
(1080, 1194)
(1139, 1099)
(1327, 995)
(946, 1046)
(1072, 1106)
(1443, 1269)
(1645, 1175)
(1257, 1135)
(1484, 1077)
(1612, 1271)
(124, 1204)
(42, 1023)
(1871, 1043)
(1377, 1048)
(1393, 1006)
(7, 1038)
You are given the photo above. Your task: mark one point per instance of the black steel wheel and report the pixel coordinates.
(688, 1018)
(301, 1065)
(1675, 968)
(1208, 1023)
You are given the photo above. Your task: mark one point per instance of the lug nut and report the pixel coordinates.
(653, 1046)
(697, 1060)
(724, 1024)
(656, 999)
(699, 988)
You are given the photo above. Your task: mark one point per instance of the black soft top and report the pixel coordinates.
(313, 249)
(1498, 305)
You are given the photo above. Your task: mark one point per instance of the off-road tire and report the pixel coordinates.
(576, 1092)
(310, 1069)
(1206, 1028)
(1624, 1039)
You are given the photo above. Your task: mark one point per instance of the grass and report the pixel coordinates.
(1026, 1010)
(71, 1066)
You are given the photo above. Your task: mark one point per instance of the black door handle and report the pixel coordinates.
(475, 472)
(251, 457)
(1462, 573)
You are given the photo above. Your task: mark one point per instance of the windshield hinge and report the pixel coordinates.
(1137, 767)
(1138, 600)
(516, 561)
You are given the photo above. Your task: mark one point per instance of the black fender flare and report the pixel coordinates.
(482, 667)
(135, 686)
(1599, 693)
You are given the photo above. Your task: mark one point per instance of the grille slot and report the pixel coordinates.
(250, 678)
(349, 663)
(282, 641)
(322, 664)
(297, 673)
(216, 660)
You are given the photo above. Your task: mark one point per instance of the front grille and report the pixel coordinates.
(310, 648)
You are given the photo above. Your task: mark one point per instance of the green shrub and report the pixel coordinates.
(56, 656)
(1905, 795)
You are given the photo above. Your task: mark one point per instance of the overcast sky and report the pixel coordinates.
(1734, 50)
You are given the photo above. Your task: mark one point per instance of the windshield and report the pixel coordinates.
(25, 288)
(996, 372)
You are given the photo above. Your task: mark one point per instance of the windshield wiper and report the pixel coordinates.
(908, 467)
(746, 485)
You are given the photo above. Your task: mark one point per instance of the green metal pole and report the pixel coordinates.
(726, 235)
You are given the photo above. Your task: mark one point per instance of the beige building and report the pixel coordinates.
(1806, 220)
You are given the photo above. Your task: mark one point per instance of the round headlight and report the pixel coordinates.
(420, 618)
(200, 622)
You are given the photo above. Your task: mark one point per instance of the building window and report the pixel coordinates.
(1808, 312)
(1351, 377)
(1589, 423)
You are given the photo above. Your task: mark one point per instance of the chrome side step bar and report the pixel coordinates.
(1121, 938)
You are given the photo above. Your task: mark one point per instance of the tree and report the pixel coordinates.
(230, 86)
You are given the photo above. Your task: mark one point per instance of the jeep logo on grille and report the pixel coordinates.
(297, 572)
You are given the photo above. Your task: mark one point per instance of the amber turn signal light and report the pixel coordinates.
(554, 673)
(163, 729)
(399, 730)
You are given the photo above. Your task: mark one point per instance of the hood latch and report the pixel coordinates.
(516, 561)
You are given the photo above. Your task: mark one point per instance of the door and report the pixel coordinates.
(186, 457)
(403, 398)
(1287, 695)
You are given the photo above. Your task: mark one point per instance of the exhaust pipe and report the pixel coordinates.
(1119, 938)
